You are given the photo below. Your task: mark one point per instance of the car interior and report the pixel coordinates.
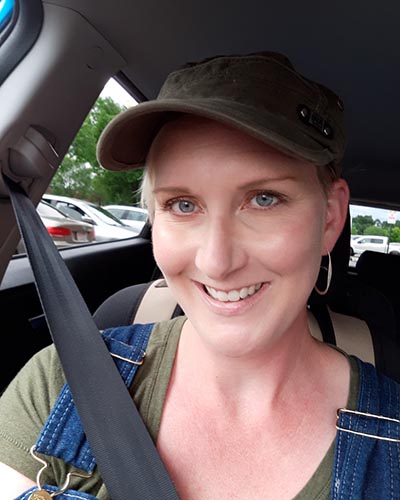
(56, 56)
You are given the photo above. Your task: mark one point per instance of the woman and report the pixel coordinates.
(244, 193)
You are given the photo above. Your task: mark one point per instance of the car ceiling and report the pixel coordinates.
(349, 46)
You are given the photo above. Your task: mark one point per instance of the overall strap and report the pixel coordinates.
(62, 435)
(367, 454)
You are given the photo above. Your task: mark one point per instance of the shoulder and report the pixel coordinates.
(40, 380)
(378, 389)
(25, 406)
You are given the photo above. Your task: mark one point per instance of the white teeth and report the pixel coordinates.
(222, 296)
(233, 295)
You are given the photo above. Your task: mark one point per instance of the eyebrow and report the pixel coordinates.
(266, 180)
(247, 185)
(172, 189)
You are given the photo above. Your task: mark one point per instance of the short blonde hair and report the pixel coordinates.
(146, 190)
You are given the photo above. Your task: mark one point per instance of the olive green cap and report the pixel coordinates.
(260, 94)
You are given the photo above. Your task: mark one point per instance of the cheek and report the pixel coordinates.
(170, 248)
(293, 245)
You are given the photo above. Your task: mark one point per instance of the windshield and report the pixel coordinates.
(46, 210)
(106, 216)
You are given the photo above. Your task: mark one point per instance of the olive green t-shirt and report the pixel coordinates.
(27, 402)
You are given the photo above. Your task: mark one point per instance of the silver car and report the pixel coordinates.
(107, 226)
(63, 230)
(135, 217)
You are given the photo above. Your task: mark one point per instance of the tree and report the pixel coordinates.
(395, 236)
(376, 230)
(80, 174)
(360, 223)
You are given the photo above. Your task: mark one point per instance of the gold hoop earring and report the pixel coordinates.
(328, 277)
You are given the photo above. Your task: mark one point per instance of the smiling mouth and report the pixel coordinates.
(233, 295)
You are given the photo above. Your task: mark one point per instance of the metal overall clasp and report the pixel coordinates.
(40, 493)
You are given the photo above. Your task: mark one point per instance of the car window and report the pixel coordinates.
(46, 210)
(121, 214)
(135, 215)
(6, 11)
(105, 215)
(381, 227)
(81, 177)
(70, 210)
(20, 25)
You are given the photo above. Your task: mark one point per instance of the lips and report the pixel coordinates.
(233, 295)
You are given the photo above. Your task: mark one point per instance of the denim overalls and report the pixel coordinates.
(367, 453)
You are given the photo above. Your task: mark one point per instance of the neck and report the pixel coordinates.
(290, 366)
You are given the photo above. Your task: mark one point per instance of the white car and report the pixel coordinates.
(369, 242)
(107, 226)
(64, 231)
(135, 217)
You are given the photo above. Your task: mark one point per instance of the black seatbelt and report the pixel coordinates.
(125, 453)
(324, 320)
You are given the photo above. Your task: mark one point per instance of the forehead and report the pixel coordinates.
(193, 141)
(187, 135)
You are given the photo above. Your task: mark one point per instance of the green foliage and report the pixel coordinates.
(395, 235)
(359, 223)
(121, 188)
(80, 174)
(376, 230)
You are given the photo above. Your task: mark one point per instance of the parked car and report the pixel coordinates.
(374, 243)
(63, 230)
(367, 242)
(107, 226)
(135, 217)
(394, 248)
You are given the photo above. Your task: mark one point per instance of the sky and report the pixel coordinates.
(114, 90)
(376, 213)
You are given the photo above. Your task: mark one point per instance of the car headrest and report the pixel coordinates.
(380, 270)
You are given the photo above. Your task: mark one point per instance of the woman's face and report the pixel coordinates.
(238, 232)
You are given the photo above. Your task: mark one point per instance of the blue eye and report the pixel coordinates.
(263, 200)
(183, 206)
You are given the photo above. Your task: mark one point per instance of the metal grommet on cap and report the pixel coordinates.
(304, 113)
(327, 130)
(315, 120)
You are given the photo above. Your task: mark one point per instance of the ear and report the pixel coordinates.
(336, 212)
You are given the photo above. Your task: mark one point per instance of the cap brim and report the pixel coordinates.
(125, 142)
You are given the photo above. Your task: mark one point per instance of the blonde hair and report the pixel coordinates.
(146, 190)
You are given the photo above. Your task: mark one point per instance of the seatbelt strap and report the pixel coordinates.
(128, 461)
(321, 313)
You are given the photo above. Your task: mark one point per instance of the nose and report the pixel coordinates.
(220, 250)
